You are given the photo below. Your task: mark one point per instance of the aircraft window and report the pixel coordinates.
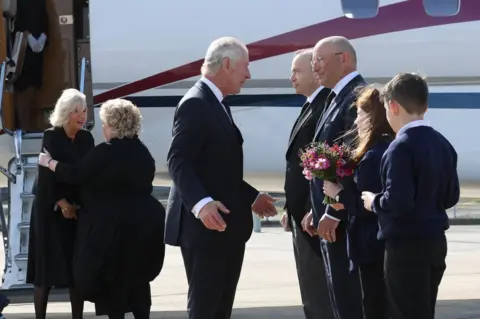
(441, 8)
(360, 9)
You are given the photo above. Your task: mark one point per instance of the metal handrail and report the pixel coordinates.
(82, 75)
(2, 85)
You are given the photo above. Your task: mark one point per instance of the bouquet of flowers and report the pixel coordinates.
(330, 163)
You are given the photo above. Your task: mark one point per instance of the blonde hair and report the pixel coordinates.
(66, 104)
(122, 116)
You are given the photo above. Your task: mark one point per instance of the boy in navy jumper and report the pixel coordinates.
(420, 182)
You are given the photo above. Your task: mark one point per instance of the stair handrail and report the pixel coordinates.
(2, 87)
(3, 67)
(83, 68)
(81, 88)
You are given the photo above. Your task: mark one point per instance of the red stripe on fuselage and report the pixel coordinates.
(392, 18)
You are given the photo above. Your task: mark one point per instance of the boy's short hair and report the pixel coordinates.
(410, 90)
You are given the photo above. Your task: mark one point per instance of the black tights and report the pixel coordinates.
(143, 313)
(40, 300)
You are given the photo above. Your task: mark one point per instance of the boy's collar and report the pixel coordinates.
(413, 124)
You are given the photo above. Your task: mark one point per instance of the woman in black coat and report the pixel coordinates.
(56, 205)
(119, 247)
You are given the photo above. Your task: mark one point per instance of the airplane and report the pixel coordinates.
(151, 51)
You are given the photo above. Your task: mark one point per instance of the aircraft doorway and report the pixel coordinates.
(35, 77)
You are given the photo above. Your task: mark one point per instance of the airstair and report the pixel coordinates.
(15, 219)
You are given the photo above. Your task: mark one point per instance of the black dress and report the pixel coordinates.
(119, 248)
(52, 236)
(32, 17)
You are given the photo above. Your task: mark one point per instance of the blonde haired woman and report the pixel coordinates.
(120, 247)
(56, 205)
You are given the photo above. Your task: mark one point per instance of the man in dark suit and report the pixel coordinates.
(209, 210)
(308, 256)
(335, 63)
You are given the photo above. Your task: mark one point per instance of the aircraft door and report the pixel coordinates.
(63, 56)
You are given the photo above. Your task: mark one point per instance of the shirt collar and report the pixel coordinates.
(343, 82)
(314, 94)
(216, 91)
(413, 124)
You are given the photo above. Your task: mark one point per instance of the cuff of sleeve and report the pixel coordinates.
(256, 198)
(331, 217)
(198, 207)
(375, 202)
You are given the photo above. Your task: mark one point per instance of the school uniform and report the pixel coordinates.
(365, 251)
(420, 182)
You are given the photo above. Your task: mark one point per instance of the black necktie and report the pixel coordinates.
(329, 100)
(330, 97)
(304, 107)
(227, 108)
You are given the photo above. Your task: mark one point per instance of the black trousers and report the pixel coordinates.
(212, 281)
(344, 286)
(413, 272)
(311, 276)
(374, 299)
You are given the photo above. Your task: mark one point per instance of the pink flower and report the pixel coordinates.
(308, 174)
(341, 162)
(341, 173)
(322, 163)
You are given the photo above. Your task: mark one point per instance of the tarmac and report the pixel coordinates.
(268, 286)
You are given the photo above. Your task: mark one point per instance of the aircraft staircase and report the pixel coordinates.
(15, 220)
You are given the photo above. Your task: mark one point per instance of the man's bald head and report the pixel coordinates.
(333, 58)
(339, 44)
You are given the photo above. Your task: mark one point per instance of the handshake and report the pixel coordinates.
(37, 45)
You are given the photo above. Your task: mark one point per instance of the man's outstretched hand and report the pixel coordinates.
(263, 205)
(210, 216)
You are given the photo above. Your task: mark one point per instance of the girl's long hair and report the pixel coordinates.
(376, 125)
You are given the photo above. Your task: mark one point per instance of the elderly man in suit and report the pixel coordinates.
(209, 210)
(335, 63)
(308, 256)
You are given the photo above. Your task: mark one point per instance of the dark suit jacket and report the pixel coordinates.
(297, 187)
(363, 245)
(337, 119)
(205, 159)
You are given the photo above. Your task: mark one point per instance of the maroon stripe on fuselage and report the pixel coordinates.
(392, 18)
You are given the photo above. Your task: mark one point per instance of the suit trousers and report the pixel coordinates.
(344, 286)
(373, 290)
(311, 277)
(413, 272)
(212, 277)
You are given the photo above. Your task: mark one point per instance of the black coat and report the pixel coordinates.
(52, 236)
(121, 228)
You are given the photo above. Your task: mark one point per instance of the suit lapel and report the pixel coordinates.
(305, 113)
(218, 109)
(337, 101)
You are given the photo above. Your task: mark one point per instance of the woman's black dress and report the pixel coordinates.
(119, 248)
(52, 236)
